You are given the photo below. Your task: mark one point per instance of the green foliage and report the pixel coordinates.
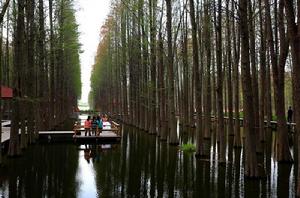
(71, 47)
(189, 147)
(101, 77)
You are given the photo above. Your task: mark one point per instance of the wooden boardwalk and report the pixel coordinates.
(5, 136)
(108, 135)
(67, 136)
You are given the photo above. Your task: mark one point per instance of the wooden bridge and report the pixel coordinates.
(110, 134)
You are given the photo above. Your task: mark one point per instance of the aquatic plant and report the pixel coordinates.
(189, 147)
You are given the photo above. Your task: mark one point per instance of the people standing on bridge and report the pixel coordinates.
(87, 126)
(94, 125)
(100, 125)
(290, 114)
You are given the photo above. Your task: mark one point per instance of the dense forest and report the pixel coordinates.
(198, 61)
(39, 58)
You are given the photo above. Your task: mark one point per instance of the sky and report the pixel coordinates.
(90, 15)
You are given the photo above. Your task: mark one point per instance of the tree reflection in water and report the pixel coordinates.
(142, 166)
(42, 171)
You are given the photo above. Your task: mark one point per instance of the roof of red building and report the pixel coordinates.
(6, 92)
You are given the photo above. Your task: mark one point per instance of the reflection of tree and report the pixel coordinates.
(107, 170)
(47, 170)
(171, 171)
(161, 166)
(145, 167)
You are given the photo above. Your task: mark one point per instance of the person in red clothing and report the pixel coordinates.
(87, 125)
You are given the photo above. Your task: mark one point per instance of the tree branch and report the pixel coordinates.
(4, 8)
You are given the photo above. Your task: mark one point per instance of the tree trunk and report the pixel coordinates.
(1, 104)
(31, 77)
(198, 83)
(52, 67)
(262, 76)
(220, 129)
(282, 146)
(229, 78)
(236, 82)
(172, 121)
(294, 35)
(208, 98)
(152, 8)
(186, 91)
(14, 147)
(254, 74)
(162, 90)
(251, 169)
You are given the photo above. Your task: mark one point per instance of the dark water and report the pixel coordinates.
(141, 166)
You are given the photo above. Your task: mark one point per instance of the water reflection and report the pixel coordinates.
(143, 166)
(43, 171)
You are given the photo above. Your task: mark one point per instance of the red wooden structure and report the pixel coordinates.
(6, 92)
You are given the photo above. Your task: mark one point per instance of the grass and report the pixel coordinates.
(189, 147)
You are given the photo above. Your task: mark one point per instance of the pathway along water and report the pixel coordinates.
(141, 166)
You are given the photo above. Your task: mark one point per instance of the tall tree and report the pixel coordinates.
(171, 89)
(236, 55)
(14, 147)
(207, 44)
(219, 89)
(251, 168)
(254, 70)
(52, 66)
(152, 9)
(4, 8)
(31, 73)
(294, 36)
(198, 82)
(282, 151)
(229, 68)
(262, 94)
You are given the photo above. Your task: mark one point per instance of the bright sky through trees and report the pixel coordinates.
(90, 14)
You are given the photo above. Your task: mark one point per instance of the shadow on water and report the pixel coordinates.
(143, 166)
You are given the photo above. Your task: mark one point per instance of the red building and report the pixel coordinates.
(6, 92)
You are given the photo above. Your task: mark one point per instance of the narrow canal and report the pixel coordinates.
(140, 166)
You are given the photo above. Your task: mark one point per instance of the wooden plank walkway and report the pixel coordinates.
(5, 136)
(272, 124)
(61, 136)
(108, 134)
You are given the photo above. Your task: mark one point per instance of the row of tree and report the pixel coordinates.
(39, 57)
(159, 60)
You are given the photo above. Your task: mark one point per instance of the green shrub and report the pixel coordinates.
(189, 147)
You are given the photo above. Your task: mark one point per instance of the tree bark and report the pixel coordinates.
(251, 169)
(172, 120)
(52, 67)
(152, 8)
(254, 73)
(282, 146)
(208, 98)
(236, 82)
(219, 90)
(198, 83)
(294, 36)
(262, 94)
(14, 147)
(3, 10)
(229, 73)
